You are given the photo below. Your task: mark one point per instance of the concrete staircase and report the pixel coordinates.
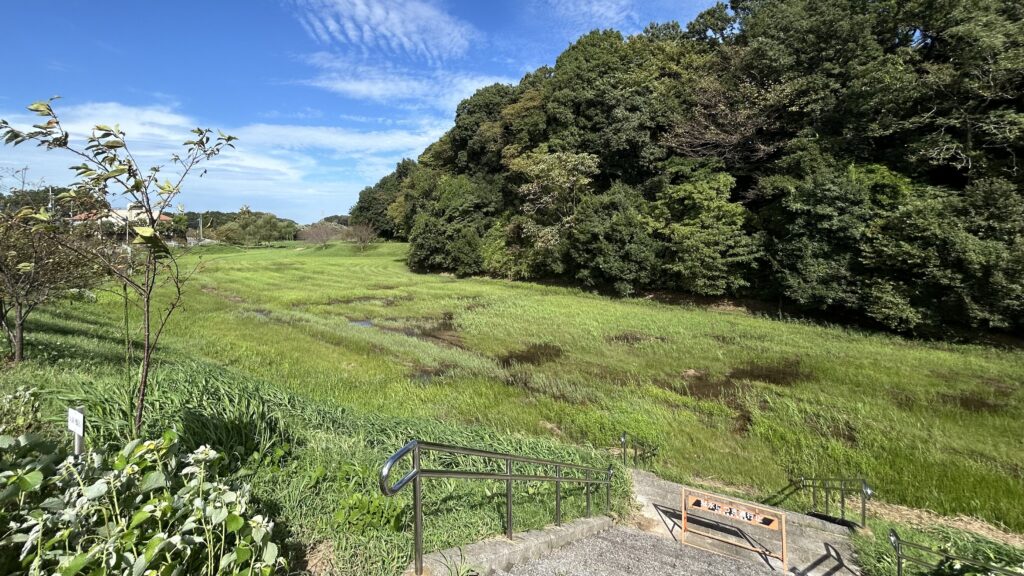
(596, 547)
(622, 551)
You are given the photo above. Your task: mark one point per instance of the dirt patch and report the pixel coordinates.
(699, 385)
(839, 429)
(785, 372)
(994, 396)
(425, 375)
(229, 297)
(320, 559)
(634, 338)
(534, 355)
(972, 401)
(903, 399)
(554, 430)
(743, 421)
(262, 313)
(726, 339)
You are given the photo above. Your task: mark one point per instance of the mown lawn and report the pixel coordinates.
(727, 396)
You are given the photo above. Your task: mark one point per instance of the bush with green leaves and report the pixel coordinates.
(143, 510)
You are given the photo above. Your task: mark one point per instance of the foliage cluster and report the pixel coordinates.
(858, 158)
(143, 510)
(251, 228)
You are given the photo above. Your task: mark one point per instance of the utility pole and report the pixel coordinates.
(200, 227)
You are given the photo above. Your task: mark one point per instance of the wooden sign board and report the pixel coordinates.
(734, 511)
(744, 511)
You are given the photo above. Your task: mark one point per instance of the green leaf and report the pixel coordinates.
(114, 173)
(138, 518)
(30, 481)
(153, 481)
(234, 523)
(154, 546)
(270, 553)
(76, 564)
(226, 560)
(95, 491)
(112, 144)
(41, 108)
(218, 515)
(243, 553)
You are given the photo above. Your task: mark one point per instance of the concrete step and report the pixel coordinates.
(628, 552)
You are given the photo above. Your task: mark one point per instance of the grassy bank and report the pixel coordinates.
(726, 395)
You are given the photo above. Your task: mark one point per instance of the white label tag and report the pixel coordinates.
(76, 421)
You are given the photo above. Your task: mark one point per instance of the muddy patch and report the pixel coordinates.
(262, 313)
(534, 355)
(633, 338)
(974, 401)
(699, 385)
(361, 323)
(786, 372)
(427, 374)
(441, 331)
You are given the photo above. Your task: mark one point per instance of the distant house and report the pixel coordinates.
(117, 217)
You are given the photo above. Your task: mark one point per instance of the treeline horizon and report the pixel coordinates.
(851, 158)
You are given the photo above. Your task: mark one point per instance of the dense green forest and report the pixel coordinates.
(852, 157)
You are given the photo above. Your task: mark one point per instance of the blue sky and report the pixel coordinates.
(325, 95)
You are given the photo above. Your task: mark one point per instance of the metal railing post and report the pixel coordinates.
(864, 503)
(558, 496)
(608, 492)
(416, 449)
(828, 497)
(508, 499)
(417, 504)
(842, 499)
(587, 488)
(623, 440)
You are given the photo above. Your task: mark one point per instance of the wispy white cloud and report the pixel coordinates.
(415, 28)
(581, 16)
(435, 88)
(297, 171)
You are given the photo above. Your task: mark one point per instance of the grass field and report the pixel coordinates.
(727, 396)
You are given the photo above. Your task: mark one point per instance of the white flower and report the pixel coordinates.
(203, 454)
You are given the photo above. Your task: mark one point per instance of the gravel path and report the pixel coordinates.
(629, 552)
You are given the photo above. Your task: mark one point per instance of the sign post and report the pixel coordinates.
(736, 510)
(76, 424)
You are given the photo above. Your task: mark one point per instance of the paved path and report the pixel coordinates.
(624, 551)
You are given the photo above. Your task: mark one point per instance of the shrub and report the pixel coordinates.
(141, 511)
(609, 244)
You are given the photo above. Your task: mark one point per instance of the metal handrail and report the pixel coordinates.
(417, 474)
(842, 486)
(641, 450)
(899, 545)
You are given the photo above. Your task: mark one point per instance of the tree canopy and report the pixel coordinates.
(848, 157)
